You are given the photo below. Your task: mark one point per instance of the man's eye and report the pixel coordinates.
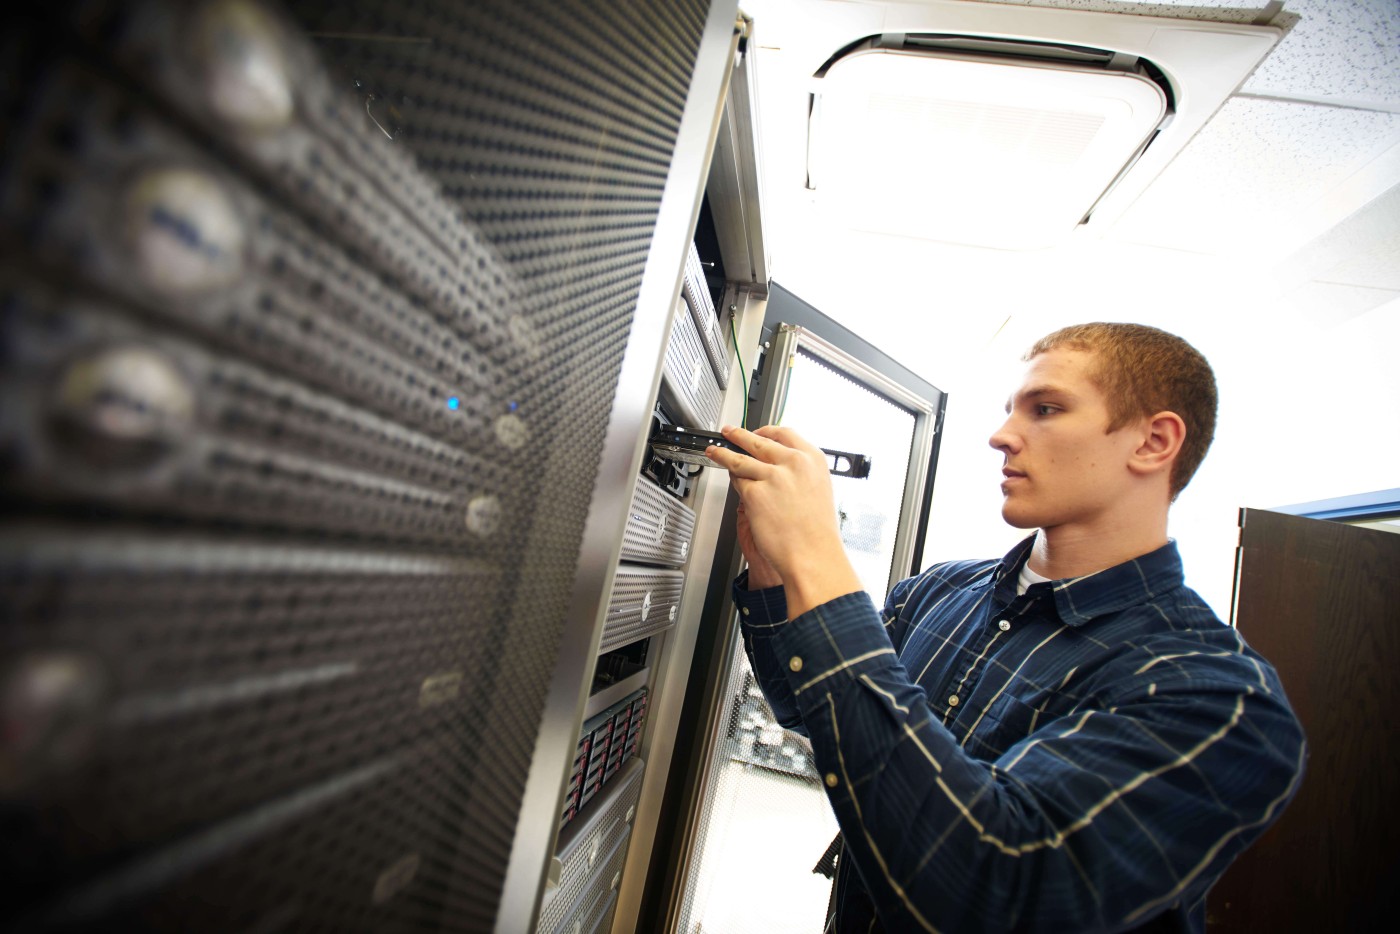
(1045, 410)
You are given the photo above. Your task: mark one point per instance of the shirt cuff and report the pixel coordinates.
(837, 641)
(761, 612)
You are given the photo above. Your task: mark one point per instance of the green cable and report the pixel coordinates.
(743, 374)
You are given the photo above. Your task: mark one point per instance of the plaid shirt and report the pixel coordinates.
(1088, 756)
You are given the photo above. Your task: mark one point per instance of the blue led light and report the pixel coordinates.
(454, 403)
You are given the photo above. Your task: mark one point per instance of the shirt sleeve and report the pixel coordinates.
(762, 615)
(1096, 822)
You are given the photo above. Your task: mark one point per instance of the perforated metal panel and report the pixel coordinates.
(644, 601)
(600, 918)
(607, 915)
(688, 385)
(659, 527)
(121, 412)
(292, 305)
(598, 894)
(587, 841)
(702, 312)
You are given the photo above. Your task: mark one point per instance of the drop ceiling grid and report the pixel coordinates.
(1252, 168)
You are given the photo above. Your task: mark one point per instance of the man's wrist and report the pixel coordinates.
(819, 580)
(761, 578)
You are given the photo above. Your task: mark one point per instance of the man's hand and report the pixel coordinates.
(790, 513)
(762, 574)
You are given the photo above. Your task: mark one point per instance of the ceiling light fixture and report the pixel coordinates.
(1005, 127)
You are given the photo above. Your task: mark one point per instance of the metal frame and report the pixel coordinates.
(735, 186)
(733, 191)
(709, 673)
(622, 449)
(788, 308)
(673, 669)
(1382, 504)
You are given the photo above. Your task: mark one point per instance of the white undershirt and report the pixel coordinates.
(1028, 577)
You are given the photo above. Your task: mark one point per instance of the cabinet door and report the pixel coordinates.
(760, 818)
(1319, 600)
(327, 329)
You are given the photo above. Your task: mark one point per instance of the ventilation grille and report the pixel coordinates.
(587, 843)
(688, 383)
(659, 527)
(702, 311)
(644, 601)
(122, 413)
(598, 896)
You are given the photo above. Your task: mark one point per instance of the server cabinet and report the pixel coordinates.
(331, 335)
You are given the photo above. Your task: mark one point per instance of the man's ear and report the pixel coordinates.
(1162, 435)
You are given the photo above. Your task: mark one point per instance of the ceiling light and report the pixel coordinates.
(978, 149)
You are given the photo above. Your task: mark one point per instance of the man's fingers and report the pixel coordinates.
(788, 438)
(756, 444)
(738, 465)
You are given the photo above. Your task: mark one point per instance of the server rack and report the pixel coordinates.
(332, 337)
(658, 575)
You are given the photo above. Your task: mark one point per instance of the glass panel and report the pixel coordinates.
(765, 821)
(832, 411)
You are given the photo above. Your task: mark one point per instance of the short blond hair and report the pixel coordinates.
(1142, 371)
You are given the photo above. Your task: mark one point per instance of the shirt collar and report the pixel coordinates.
(1080, 599)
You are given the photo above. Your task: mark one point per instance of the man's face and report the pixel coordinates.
(1062, 467)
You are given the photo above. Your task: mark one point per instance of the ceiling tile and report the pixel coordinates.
(1341, 49)
(1337, 49)
(1224, 11)
(1252, 168)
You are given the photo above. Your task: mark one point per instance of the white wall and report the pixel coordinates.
(1309, 410)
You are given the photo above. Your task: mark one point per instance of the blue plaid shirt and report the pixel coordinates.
(1088, 756)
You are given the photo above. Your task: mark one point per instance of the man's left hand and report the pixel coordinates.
(786, 489)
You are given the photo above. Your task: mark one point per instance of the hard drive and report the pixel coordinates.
(687, 446)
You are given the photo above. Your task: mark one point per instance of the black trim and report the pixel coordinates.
(787, 308)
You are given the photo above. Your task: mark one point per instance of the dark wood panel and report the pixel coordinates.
(1321, 601)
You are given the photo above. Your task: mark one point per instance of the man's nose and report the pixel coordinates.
(1004, 438)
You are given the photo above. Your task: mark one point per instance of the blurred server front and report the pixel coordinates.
(329, 331)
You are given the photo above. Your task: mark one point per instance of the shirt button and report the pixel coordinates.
(953, 701)
(831, 780)
(745, 611)
(795, 663)
(1003, 625)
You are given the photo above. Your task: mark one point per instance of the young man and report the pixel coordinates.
(1065, 740)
